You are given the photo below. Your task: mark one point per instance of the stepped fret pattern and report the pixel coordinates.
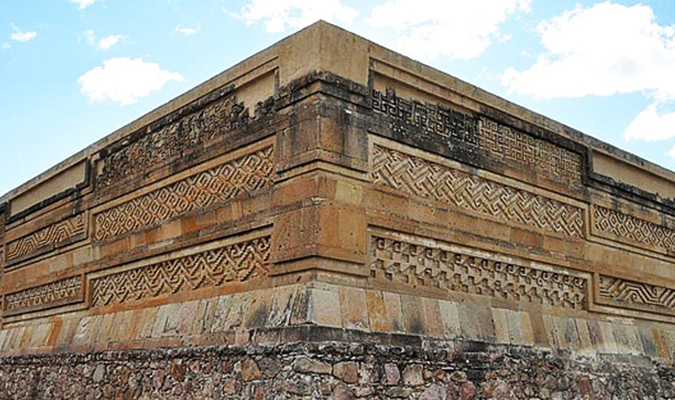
(52, 235)
(500, 142)
(641, 296)
(238, 262)
(65, 291)
(243, 175)
(627, 227)
(436, 182)
(186, 129)
(424, 265)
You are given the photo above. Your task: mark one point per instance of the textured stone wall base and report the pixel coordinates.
(334, 370)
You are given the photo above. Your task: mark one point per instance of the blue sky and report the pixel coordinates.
(73, 71)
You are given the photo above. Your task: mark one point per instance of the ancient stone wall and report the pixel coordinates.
(330, 218)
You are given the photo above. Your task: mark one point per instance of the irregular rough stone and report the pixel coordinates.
(342, 393)
(347, 371)
(412, 375)
(391, 374)
(249, 370)
(309, 366)
(434, 392)
(467, 391)
(99, 373)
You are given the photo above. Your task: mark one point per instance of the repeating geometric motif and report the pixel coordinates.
(641, 296)
(637, 230)
(51, 235)
(243, 175)
(424, 265)
(429, 180)
(60, 292)
(234, 263)
(146, 149)
(500, 141)
(518, 147)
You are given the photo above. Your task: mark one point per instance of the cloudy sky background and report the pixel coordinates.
(73, 71)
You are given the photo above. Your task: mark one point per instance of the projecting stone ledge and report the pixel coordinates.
(329, 219)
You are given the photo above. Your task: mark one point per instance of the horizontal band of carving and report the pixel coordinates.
(425, 265)
(640, 296)
(626, 227)
(47, 238)
(174, 136)
(499, 141)
(238, 262)
(243, 175)
(66, 291)
(422, 178)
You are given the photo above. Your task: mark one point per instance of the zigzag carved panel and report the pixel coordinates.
(46, 238)
(452, 270)
(640, 296)
(433, 181)
(53, 294)
(238, 262)
(500, 142)
(626, 227)
(243, 175)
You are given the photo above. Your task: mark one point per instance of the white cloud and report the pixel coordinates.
(6, 46)
(109, 41)
(601, 50)
(124, 80)
(183, 30)
(83, 3)
(650, 126)
(277, 14)
(428, 29)
(105, 43)
(21, 36)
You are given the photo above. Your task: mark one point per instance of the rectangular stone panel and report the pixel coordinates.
(615, 225)
(422, 262)
(174, 135)
(624, 293)
(230, 263)
(54, 294)
(227, 181)
(416, 176)
(46, 239)
(502, 143)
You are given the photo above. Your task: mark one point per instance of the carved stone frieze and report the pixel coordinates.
(242, 175)
(239, 262)
(44, 239)
(65, 291)
(632, 229)
(173, 136)
(421, 263)
(414, 175)
(640, 296)
(500, 142)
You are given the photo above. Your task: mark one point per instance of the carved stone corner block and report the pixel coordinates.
(49, 238)
(623, 293)
(188, 270)
(54, 294)
(422, 262)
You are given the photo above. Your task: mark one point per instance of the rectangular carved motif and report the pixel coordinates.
(46, 238)
(626, 227)
(243, 175)
(66, 291)
(501, 142)
(433, 181)
(238, 262)
(453, 270)
(187, 128)
(640, 296)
